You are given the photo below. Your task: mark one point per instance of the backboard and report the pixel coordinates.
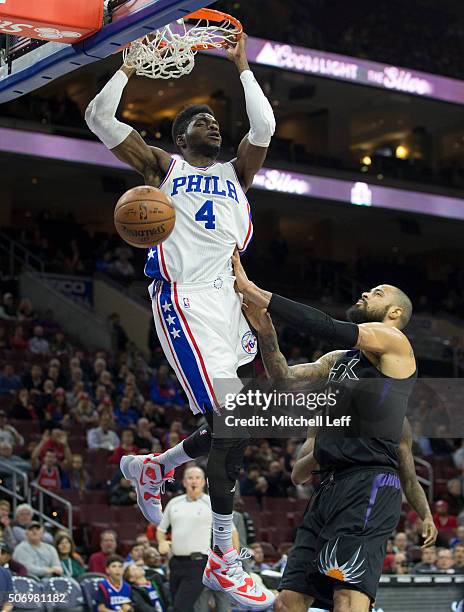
(27, 64)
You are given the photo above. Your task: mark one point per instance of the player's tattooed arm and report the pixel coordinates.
(273, 359)
(413, 491)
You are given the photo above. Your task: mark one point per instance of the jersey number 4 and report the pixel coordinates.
(205, 215)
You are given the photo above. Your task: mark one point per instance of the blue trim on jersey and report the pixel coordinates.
(250, 216)
(184, 352)
(152, 267)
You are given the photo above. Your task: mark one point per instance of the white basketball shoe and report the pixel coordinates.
(226, 574)
(148, 477)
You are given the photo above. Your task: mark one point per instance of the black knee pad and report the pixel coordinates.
(224, 464)
(198, 444)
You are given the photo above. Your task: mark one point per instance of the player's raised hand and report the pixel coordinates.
(237, 53)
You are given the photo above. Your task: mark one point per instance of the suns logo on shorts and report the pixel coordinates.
(348, 572)
(249, 343)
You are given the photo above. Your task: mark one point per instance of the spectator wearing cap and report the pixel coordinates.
(8, 433)
(56, 441)
(127, 447)
(24, 514)
(7, 309)
(38, 344)
(9, 381)
(39, 558)
(442, 519)
(427, 564)
(6, 560)
(108, 546)
(103, 436)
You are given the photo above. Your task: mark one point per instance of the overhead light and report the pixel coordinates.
(401, 152)
(158, 135)
(366, 160)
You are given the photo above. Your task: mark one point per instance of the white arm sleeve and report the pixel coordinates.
(100, 113)
(259, 111)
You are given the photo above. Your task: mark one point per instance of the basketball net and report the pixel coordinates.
(169, 53)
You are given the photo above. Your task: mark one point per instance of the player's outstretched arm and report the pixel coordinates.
(374, 337)
(125, 142)
(412, 489)
(252, 150)
(274, 361)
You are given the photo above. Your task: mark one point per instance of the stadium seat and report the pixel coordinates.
(89, 585)
(26, 586)
(73, 600)
(125, 514)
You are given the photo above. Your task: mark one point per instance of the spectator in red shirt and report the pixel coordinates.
(18, 341)
(108, 546)
(49, 476)
(127, 447)
(56, 441)
(444, 521)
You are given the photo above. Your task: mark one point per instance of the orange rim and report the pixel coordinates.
(216, 17)
(210, 15)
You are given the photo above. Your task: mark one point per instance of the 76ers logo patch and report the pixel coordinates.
(249, 343)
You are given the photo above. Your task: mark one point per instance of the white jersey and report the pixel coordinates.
(212, 218)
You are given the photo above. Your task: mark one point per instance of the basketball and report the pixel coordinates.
(144, 216)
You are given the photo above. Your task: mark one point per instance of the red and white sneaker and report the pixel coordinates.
(148, 477)
(226, 574)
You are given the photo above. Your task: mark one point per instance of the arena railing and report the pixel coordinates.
(42, 493)
(17, 253)
(19, 491)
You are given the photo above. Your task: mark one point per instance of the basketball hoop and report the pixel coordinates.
(169, 53)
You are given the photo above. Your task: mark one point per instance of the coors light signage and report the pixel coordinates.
(354, 70)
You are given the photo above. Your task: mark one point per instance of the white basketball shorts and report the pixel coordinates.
(204, 336)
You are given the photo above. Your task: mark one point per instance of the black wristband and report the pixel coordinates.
(313, 321)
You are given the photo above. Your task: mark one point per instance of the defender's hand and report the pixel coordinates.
(241, 279)
(429, 532)
(259, 319)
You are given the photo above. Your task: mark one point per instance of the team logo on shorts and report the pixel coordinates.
(249, 343)
(348, 572)
(186, 302)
